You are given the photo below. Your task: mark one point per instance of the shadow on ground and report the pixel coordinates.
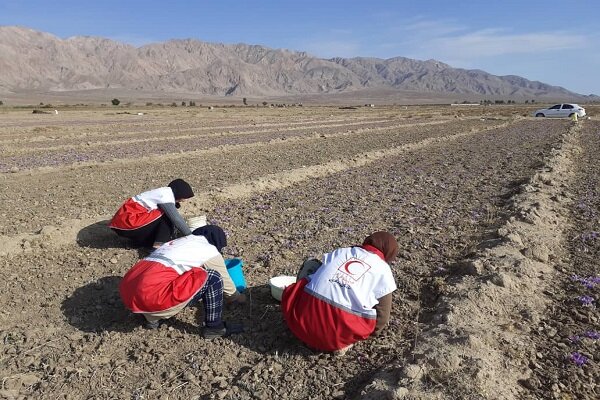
(265, 329)
(99, 236)
(97, 307)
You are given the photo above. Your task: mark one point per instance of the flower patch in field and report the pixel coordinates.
(578, 359)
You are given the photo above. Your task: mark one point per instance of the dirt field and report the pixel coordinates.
(495, 214)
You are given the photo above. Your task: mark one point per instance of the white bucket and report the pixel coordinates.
(197, 222)
(279, 283)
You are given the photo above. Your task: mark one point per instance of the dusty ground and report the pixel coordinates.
(572, 324)
(285, 184)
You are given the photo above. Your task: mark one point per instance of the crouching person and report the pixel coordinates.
(345, 299)
(175, 276)
(150, 218)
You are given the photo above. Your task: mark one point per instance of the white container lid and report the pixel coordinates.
(279, 283)
(197, 222)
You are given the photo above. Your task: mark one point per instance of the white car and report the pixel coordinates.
(561, 110)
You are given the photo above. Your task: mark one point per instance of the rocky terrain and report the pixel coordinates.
(495, 214)
(33, 61)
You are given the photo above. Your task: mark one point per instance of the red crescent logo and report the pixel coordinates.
(347, 266)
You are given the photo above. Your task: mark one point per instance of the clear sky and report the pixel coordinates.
(556, 42)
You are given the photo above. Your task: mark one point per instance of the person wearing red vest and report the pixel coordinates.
(149, 219)
(344, 298)
(174, 276)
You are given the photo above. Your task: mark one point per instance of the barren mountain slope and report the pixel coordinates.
(38, 61)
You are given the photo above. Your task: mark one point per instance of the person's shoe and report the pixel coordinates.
(236, 299)
(152, 324)
(223, 330)
(234, 327)
(343, 351)
(214, 332)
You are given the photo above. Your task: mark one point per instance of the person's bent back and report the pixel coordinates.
(347, 299)
(150, 218)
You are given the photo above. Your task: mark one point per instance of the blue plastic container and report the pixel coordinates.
(234, 267)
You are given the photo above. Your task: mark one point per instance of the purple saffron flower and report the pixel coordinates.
(592, 335)
(578, 359)
(593, 235)
(586, 300)
(588, 283)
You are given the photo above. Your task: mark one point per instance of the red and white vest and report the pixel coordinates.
(333, 308)
(171, 275)
(142, 209)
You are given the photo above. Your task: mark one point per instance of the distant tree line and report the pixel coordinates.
(488, 102)
(191, 103)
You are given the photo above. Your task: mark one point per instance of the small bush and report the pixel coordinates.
(115, 102)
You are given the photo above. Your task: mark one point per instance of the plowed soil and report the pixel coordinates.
(285, 185)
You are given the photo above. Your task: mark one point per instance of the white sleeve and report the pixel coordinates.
(386, 284)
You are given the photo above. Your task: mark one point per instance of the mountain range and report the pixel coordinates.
(33, 61)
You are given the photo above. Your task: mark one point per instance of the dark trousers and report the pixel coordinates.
(160, 231)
